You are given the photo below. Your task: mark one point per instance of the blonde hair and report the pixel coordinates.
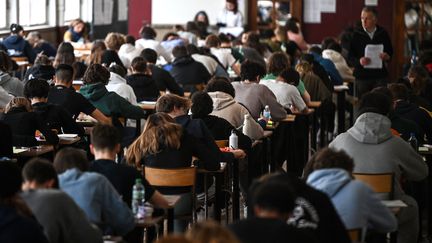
(303, 68)
(114, 40)
(210, 232)
(160, 131)
(18, 102)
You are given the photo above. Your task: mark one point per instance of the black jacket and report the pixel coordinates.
(421, 117)
(56, 117)
(143, 86)
(24, 125)
(72, 101)
(164, 81)
(357, 48)
(187, 72)
(46, 72)
(110, 56)
(5, 141)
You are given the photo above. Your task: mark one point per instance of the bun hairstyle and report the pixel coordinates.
(16, 28)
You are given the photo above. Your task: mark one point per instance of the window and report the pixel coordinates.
(3, 14)
(71, 10)
(32, 12)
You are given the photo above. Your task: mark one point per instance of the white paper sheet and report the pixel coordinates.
(312, 11)
(371, 2)
(373, 53)
(328, 6)
(122, 13)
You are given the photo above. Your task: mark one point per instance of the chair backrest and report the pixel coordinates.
(222, 143)
(182, 177)
(379, 182)
(355, 235)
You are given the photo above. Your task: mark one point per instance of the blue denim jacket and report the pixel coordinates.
(98, 199)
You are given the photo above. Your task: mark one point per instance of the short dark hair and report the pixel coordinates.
(375, 102)
(148, 32)
(278, 61)
(10, 179)
(40, 171)
(202, 104)
(129, 39)
(120, 70)
(167, 102)
(307, 58)
(149, 55)
(326, 42)
(16, 28)
(36, 88)
(139, 64)
(96, 73)
(192, 49)
(275, 196)
(251, 70)
(179, 51)
(316, 50)
(290, 76)
(328, 158)
(70, 158)
(212, 41)
(104, 137)
(335, 47)
(221, 84)
(64, 72)
(370, 9)
(399, 91)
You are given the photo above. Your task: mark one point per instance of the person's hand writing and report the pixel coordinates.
(364, 61)
(238, 153)
(384, 56)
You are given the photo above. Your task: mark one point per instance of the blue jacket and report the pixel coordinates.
(98, 199)
(330, 68)
(356, 203)
(16, 46)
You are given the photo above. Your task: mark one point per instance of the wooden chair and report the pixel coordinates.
(222, 143)
(181, 177)
(355, 235)
(381, 183)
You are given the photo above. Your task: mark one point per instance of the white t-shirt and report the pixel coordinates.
(286, 94)
(155, 45)
(207, 61)
(230, 19)
(224, 56)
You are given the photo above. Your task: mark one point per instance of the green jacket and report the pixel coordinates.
(110, 103)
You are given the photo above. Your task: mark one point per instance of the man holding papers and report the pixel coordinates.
(369, 52)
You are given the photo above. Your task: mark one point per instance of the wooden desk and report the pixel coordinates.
(148, 222)
(148, 105)
(33, 151)
(62, 140)
(76, 84)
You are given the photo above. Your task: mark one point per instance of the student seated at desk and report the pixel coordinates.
(93, 192)
(165, 144)
(356, 203)
(54, 116)
(77, 33)
(17, 222)
(62, 219)
(222, 93)
(118, 84)
(256, 96)
(16, 45)
(64, 95)
(142, 83)
(12, 85)
(42, 68)
(24, 123)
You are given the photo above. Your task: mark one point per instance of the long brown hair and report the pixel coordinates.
(18, 102)
(96, 52)
(160, 131)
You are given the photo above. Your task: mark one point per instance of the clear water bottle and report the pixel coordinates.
(233, 140)
(413, 141)
(138, 199)
(266, 113)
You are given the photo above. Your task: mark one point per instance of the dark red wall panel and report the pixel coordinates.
(139, 14)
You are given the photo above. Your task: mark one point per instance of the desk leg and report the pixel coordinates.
(170, 220)
(218, 197)
(341, 111)
(236, 190)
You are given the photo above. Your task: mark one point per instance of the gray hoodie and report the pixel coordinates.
(375, 150)
(11, 84)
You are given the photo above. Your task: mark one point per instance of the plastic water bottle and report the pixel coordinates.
(233, 140)
(413, 141)
(266, 113)
(138, 199)
(246, 125)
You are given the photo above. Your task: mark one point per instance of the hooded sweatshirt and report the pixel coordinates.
(118, 85)
(144, 87)
(375, 150)
(15, 228)
(226, 107)
(110, 103)
(128, 52)
(11, 84)
(16, 46)
(356, 203)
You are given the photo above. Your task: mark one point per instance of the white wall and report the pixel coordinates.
(168, 12)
